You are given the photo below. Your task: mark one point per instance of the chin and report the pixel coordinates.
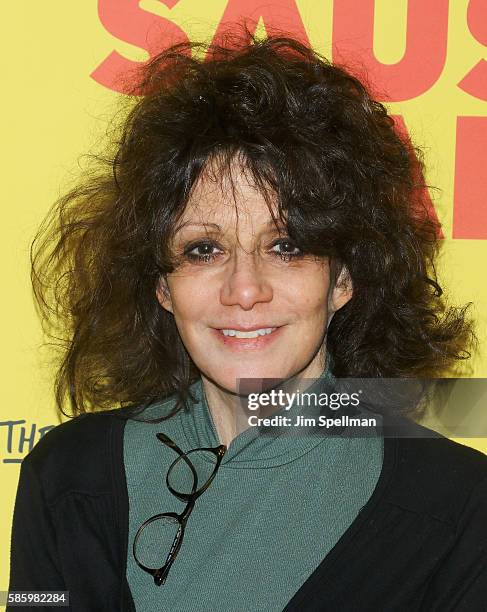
(244, 380)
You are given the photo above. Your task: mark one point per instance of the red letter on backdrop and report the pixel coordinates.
(128, 22)
(475, 82)
(423, 60)
(470, 196)
(280, 14)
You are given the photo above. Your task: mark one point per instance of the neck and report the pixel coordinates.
(229, 410)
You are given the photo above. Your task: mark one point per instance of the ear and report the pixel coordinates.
(164, 295)
(341, 293)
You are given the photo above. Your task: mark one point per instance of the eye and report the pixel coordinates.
(203, 252)
(287, 249)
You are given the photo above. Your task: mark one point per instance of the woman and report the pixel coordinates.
(261, 221)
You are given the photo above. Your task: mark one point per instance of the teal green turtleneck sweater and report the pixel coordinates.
(277, 506)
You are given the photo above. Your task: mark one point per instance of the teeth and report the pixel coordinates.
(249, 334)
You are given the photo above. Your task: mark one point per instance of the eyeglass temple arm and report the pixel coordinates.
(219, 450)
(168, 442)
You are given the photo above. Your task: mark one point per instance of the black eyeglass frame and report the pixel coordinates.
(160, 574)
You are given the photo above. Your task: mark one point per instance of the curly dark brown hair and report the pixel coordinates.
(348, 187)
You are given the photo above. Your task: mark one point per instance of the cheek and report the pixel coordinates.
(190, 298)
(308, 293)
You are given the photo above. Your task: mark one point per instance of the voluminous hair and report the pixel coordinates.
(347, 184)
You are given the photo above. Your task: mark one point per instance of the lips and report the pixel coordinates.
(248, 334)
(248, 328)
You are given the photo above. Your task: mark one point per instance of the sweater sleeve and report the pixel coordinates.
(460, 582)
(34, 563)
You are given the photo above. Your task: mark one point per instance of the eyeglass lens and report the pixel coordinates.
(156, 540)
(181, 477)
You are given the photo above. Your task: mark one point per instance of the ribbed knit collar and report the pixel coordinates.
(250, 448)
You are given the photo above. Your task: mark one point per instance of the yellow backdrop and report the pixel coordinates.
(59, 67)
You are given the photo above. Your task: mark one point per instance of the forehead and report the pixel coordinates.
(227, 195)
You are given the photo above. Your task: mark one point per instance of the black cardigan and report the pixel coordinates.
(419, 543)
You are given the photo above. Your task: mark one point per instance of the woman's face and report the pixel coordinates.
(239, 273)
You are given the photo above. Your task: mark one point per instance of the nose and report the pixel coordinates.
(245, 283)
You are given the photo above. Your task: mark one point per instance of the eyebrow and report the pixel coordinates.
(217, 227)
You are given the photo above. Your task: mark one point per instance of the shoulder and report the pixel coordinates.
(435, 475)
(78, 454)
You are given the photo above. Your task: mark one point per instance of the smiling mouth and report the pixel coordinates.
(256, 333)
(238, 339)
